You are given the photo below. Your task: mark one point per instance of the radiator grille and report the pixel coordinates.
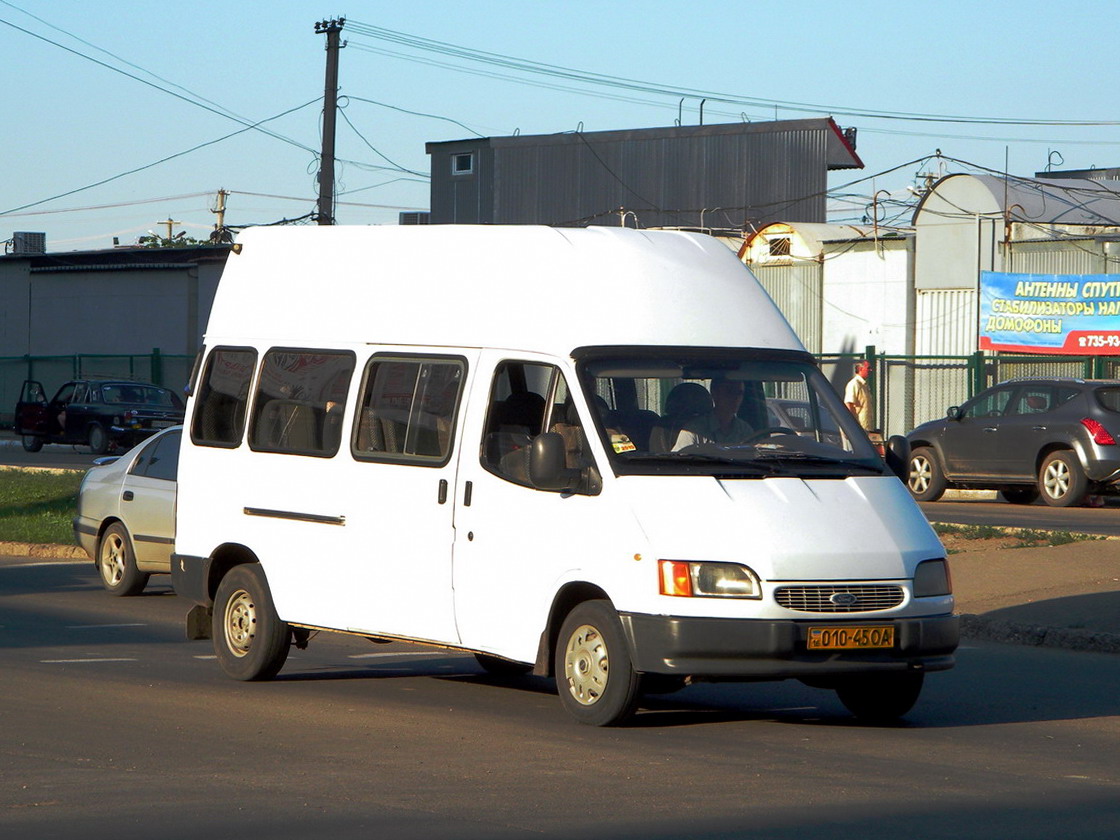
(839, 598)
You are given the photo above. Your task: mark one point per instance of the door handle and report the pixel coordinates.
(990, 429)
(442, 491)
(127, 495)
(468, 492)
(1038, 428)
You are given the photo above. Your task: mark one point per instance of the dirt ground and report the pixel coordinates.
(959, 543)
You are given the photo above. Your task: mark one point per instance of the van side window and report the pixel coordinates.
(223, 397)
(300, 401)
(407, 410)
(526, 399)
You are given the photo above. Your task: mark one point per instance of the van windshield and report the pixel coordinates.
(720, 411)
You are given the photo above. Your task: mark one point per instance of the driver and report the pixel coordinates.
(722, 424)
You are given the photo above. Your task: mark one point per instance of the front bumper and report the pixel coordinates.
(761, 649)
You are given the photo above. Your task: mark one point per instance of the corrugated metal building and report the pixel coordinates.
(122, 300)
(972, 223)
(915, 292)
(727, 176)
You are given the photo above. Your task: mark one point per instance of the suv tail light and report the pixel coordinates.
(1101, 435)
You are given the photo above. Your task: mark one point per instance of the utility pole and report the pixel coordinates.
(169, 222)
(220, 234)
(330, 28)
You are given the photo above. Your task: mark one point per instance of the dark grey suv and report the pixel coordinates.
(1026, 437)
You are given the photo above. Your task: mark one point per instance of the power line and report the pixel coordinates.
(157, 162)
(619, 82)
(213, 110)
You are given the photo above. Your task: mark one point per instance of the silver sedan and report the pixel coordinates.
(126, 513)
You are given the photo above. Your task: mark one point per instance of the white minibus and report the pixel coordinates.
(556, 449)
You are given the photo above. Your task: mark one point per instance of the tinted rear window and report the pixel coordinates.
(1109, 398)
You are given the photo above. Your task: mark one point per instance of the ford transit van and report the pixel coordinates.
(556, 449)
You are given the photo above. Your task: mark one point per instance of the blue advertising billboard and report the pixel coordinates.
(1069, 314)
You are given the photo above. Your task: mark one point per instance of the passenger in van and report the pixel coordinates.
(686, 402)
(720, 425)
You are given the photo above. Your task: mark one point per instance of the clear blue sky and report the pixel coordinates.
(70, 121)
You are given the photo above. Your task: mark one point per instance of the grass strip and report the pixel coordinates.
(37, 506)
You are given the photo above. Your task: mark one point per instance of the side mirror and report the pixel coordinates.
(548, 469)
(897, 456)
(547, 464)
(954, 412)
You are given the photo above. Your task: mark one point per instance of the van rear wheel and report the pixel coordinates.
(250, 640)
(880, 698)
(595, 676)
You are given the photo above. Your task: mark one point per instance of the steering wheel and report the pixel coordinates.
(772, 431)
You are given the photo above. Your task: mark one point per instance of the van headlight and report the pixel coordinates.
(691, 579)
(932, 578)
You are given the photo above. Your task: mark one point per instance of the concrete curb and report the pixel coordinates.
(1013, 633)
(42, 550)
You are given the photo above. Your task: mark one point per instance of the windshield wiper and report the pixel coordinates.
(805, 458)
(704, 457)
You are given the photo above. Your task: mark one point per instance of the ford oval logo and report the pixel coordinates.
(844, 599)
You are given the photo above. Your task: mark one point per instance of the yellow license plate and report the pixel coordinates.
(851, 638)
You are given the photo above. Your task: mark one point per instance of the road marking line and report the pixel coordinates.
(72, 661)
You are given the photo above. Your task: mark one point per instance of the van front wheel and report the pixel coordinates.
(880, 698)
(595, 677)
(250, 640)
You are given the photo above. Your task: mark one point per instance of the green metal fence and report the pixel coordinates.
(171, 371)
(910, 390)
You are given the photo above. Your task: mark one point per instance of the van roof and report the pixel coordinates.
(517, 287)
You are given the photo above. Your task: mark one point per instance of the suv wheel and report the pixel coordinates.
(1061, 481)
(925, 479)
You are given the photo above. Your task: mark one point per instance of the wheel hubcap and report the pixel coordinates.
(1056, 480)
(586, 664)
(919, 475)
(240, 623)
(112, 559)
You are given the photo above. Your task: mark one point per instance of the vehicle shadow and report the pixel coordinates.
(992, 684)
(1078, 622)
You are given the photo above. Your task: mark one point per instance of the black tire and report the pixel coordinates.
(1061, 481)
(98, 439)
(1019, 495)
(595, 676)
(880, 698)
(32, 443)
(925, 479)
(502, 667)
(116, 563)
(250, 640)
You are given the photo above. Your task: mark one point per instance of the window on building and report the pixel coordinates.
(462, 163)
(779, 246)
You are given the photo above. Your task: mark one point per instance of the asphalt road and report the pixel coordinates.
(53, 455)
(112, 726)
(1040, 516)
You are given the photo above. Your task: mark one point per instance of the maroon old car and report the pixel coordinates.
(100, 413)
